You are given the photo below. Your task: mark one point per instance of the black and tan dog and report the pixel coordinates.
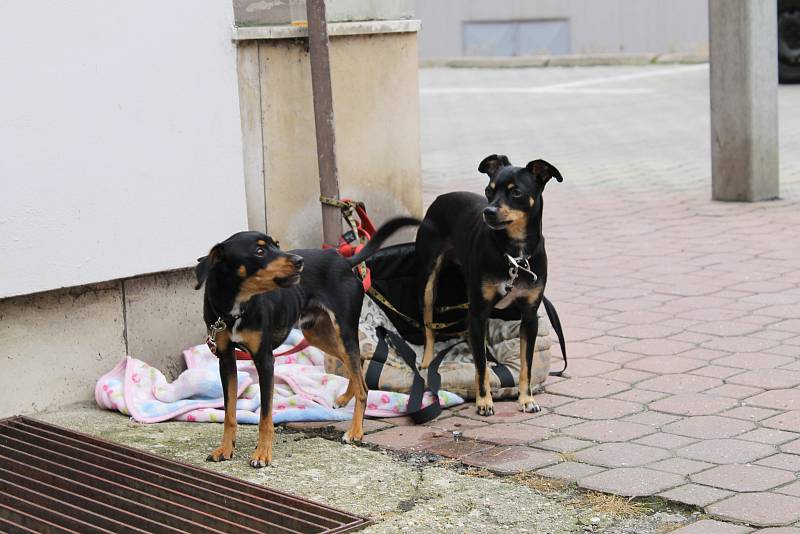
(498, 242)
(255, 293)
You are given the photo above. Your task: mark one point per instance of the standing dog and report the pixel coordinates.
(499, 245)
(255, 293)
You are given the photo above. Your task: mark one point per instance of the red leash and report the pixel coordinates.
(304, 344)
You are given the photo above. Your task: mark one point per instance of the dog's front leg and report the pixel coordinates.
(227, 373)
(265, 365)
(528, 330)
(477, 339)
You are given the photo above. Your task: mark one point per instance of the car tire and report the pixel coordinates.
(789, 41)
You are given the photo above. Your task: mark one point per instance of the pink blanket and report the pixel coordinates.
(303, 391)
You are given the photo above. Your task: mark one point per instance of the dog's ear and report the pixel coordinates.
(205, 264)
(491, 165)
(543, 171)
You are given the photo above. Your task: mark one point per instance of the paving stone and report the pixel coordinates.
(548, 400)
(656, 347)
(726, 451)
(588, 387)
(458, 449)
(790, 462)
(510, 460)
(628, 375)
(665, 441)
(402, 438)
(743, 477)
(640, 396)
(695, 494)
(759, 509)
(779, 530)
(734, 391)
(749, 413)
(618, 357)
(457, 422)
(768, 378)
(693, 404)
(582, 349)
(553, 421)
(725, 328)
(592, 367)
(664, 364)
(678, 384)
(504, 412)
(709, 526)
(785, 421)
(789, 489)
(638, 317)
(570, 471)
(621, 455)
(717, 371)
(751, 360)
(680, 466)
(709, 427)
(792, 447)
(562, 444)
(507, 434)
(605, 431)
(646, 331)
(631, 481)
(769, 436)
(704, 354)
(739, 344)
(400, 421)
(651, 418)
(599, 409)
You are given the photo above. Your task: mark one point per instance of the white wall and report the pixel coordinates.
(120, 138)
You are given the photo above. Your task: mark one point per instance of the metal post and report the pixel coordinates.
(744, 99)
(323, 118)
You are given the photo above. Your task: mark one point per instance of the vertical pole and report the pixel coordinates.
(743, 38)
(323, 118)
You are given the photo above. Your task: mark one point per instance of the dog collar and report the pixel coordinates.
(514, 266)
(218, 326)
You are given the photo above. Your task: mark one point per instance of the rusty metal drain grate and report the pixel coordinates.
(56, 480)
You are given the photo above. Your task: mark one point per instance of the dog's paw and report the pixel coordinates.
(485, 406)
(262, 457)
(529, 406)
(342, 400)
(220, 454)
(350, 437)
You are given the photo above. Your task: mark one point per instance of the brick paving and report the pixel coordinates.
(682, 315)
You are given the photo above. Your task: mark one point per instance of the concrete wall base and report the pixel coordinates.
(55, 345)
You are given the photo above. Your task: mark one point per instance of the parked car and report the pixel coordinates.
(789, 41)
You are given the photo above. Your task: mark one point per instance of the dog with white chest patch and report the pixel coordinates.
(497, 240)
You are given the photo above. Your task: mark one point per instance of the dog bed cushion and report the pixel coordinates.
(457, 369)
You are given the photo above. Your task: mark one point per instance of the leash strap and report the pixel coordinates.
(375, 294)
(418, 388)
(502, 372)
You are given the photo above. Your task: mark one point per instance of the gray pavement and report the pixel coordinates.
(632, 128)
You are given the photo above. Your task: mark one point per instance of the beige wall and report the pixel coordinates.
(376, 108)
(56, 344)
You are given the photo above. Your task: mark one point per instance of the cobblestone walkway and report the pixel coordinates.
(682, 314)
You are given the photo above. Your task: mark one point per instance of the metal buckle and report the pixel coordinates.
(515, 265)
(214, 329)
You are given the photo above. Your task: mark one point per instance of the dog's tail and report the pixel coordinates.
(382, 234)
